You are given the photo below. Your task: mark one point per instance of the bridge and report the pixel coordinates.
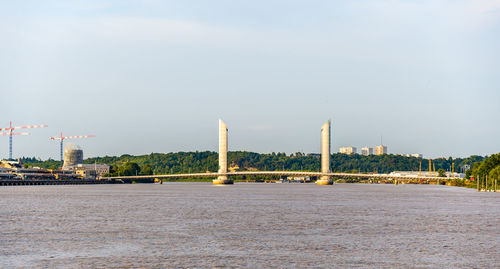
(325, 177)
(284, 173)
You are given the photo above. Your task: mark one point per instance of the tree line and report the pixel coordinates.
(488, 168)
(207, 161)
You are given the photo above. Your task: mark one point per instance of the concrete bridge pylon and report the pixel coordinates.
(223, 179)
(325, 154)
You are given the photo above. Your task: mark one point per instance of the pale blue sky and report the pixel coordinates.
(155, 76)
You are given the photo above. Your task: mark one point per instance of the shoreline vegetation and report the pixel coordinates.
(486, 169)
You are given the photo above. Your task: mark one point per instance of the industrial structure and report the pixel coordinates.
(73, 160)
(14, 173)
(73, 155)
(10, 133)
(90, 170)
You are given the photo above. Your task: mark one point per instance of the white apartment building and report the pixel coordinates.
(348, 150)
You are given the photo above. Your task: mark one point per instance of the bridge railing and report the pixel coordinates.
(283, 173)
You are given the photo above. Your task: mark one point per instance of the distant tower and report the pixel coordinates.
(325, 154)
(222, 155)
(73, 155)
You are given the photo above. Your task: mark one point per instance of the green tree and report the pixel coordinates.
(146, 170)
(494, 174)
(129, 169)
(441, 172)
(468, 174)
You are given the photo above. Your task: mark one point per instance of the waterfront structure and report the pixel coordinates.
(348, 150)
(90, 170)
(325, 154)
(380, 150)
(7, 164)
(12, 170)
(367, 151)
(403, 174)
(222, 179)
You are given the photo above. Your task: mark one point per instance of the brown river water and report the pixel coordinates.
(186, 225)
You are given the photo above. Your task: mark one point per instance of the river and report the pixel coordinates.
(248, 225)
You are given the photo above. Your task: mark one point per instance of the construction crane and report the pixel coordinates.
(430, 167)
(61, 138)
(420, 169)
(10, 133)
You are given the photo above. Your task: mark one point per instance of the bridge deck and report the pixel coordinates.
(283, 173)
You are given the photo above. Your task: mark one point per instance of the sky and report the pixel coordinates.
(156, 76)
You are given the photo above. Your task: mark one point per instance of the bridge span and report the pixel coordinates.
(284, 173)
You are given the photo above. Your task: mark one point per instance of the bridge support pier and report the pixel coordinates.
(222, 179)
(325, 155)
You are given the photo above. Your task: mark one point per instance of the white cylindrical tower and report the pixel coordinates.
(222, 155)
(325, 154)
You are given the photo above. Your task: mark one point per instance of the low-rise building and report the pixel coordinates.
(416, 155)
(90, 170)
(347, 150)
(314, 155)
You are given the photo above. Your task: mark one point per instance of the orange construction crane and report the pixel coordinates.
(10, 133)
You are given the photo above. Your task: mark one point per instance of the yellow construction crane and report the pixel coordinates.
(434, 165)
(430, 167)
(420, 169)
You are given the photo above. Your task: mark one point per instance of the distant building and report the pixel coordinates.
(314, 155)
(10, 164)
(298, 179)
(379, 150)
(367, 151)
(424, 174)
(416, 155)
(90, 170)
(348, 150)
